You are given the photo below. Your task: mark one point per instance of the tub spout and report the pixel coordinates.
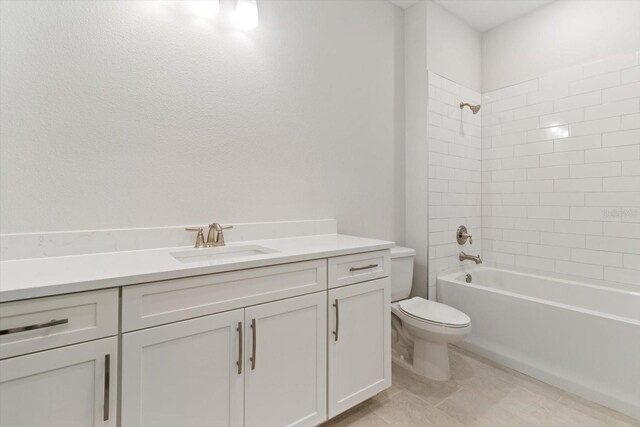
(475, 259)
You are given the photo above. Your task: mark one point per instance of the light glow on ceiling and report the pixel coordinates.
(246, 15)
(204, 8)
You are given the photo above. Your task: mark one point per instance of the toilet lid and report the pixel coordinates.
(434, 312)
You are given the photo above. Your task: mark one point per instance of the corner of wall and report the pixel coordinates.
(446, 33)
(399, 128)
(416, 171)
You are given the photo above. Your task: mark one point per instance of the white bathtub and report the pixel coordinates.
(580, 337)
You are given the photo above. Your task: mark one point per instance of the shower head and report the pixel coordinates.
(474, 108)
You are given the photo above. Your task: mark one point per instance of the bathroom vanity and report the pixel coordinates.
(293, 336)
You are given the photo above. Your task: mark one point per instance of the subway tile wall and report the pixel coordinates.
(455, 187)
(560, 176)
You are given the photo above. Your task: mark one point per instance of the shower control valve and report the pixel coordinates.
(462, 236)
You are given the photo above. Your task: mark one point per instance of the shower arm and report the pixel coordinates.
(474, 108)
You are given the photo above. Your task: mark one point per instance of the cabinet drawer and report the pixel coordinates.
(37, 324)
(157, 303)
(349, 269)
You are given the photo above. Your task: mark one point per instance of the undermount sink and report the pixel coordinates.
(219, 253)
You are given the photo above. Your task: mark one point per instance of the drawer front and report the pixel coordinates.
(157, 303)
(38, 324)
(349, 269)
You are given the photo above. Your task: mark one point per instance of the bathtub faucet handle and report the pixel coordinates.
(462, 236)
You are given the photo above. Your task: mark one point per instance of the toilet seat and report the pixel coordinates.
(434, 313)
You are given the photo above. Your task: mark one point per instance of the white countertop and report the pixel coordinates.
(38, 277)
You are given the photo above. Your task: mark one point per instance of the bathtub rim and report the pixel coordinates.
(578, 281)
(451, 277)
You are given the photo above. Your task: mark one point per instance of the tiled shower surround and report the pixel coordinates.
(561, 172)
(454, 174)
(553, 184)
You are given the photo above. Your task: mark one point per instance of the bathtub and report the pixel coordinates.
(583, 338)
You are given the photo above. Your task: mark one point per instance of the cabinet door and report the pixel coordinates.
(72, 386)
(285, 381)
(184, 374)
(359, 343)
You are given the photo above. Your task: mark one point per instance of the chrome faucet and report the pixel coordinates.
(475, 259)
(215, 236)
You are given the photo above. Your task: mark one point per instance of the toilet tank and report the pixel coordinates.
(401, 272)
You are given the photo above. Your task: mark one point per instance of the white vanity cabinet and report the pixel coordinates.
(59, 365)
(261, 362)
(359, 343)
(185, 374)
(72, 386)
(243, 367)
(280, 345)
(286, 362)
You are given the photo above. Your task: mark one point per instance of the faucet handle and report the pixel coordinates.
(219, 227)
(199, 237)
(220, 235)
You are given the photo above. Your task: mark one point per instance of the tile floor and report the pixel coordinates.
(480, 393)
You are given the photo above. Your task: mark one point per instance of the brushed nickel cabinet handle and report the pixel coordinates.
(366, 267)
(239, 362)
(253, 340)
(335, 333)
(107, 380)
(32, 327)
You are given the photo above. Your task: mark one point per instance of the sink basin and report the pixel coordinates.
(219, 253)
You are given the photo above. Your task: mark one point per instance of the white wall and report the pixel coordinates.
(453, 48)
(416, 90)
(563, 33)
(400, 191)
(132, 113)
(440, 43)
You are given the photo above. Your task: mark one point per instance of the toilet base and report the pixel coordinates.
(421, 345)
(431, 360)
(402, 361)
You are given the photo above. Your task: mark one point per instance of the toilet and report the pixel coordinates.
(421, 329)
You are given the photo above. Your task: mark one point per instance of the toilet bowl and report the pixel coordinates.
(430, 326)
(421, 328)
